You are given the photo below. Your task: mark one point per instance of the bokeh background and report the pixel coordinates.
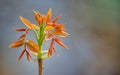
(94, 43)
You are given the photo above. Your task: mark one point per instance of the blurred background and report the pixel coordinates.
(94, 43)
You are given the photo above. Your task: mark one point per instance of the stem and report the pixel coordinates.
(40, 67)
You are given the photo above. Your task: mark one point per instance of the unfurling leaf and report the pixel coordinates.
(60, 42)
(26, 22)
(17, 43)
(32, 46)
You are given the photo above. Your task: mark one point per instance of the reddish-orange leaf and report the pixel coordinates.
(17, 43)
(51, 47)
(49, 52)
(32, 46)
(60, 43)
(59, 27)
(22, 37)
(54, 50)
(21, 55)
(50, 24)
(48, 36)
(56, 19)
(20, 29)
(26, 32)
(28, 56)
(26, 22)
(52, 44)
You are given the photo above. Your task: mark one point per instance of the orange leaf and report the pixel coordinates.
(56, 19)
(21, 55)
(38, 17)
(49, 15)
(49, 28)
(32, 46)
(17, 43)
(59, 27)
(20, 29)
(50, 24)
(26, 22)
(60, 33)
(60, 43)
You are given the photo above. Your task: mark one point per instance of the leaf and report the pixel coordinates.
(49, 15)
(54, 50)
(60, 43)
(22, 37)
(51, 47)
(20, 29)
(17, 43)
(28, 56)
(26, 22)
(38, 17)
(32, 46)
(49, 52)
(21, 55)
(49, 28)
(48, 36)
(56, 19)
(60, 33)
(59, 27)
(35, 27)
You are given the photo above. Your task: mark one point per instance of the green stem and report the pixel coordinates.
(40, 36)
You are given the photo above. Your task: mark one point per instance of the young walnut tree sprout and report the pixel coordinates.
(46, 30)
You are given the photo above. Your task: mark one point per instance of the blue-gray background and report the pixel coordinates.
(94, 43)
